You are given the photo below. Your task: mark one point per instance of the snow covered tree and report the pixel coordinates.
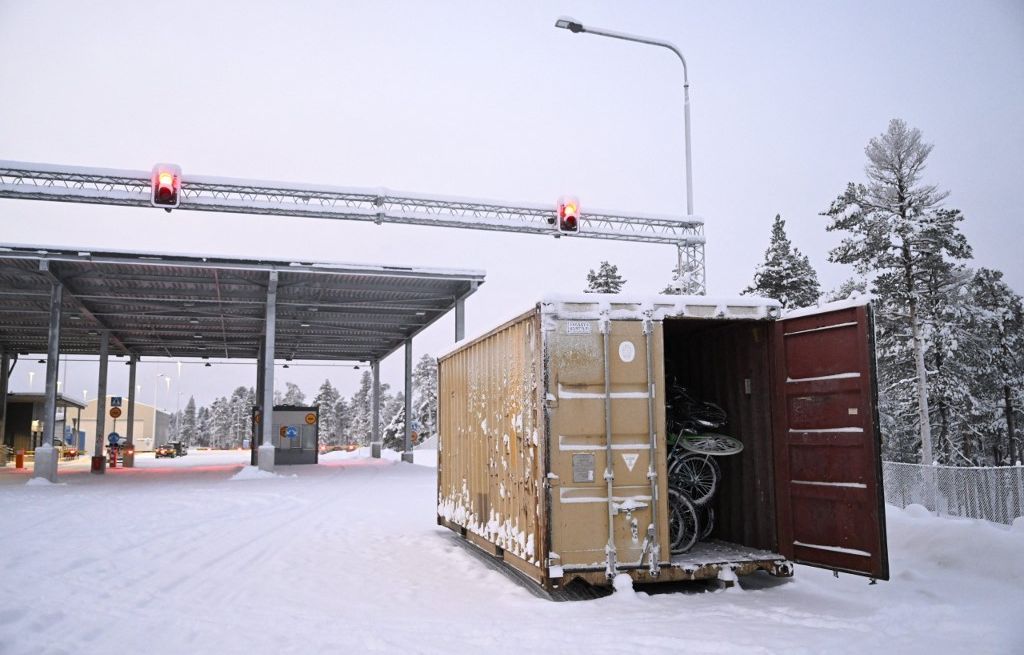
(786, 275)
(240, 410)
(203, 427)
(220, 419)
(343, 414)
(361, 409)
(188, 422)
(327, 400)
(393, 432)
(424, 383)
(293, 395)
(605, 280)
(896, 229)
(999, 318)
(849, 287)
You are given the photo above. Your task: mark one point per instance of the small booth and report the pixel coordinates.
(296, 434)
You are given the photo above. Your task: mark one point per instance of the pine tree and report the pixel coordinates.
(220, 419)
(897, 228)
(188, 422)
(1000, 323)
(786, 275)
(424, 383)
(605, 280)
(203, 427)
(393, 433)
(343, 414)
(854, 286)
(293, 395)
(360, 409)
(327, 400)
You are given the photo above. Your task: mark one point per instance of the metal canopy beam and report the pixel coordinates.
(47, 270)
(36, 181)
(168, 306)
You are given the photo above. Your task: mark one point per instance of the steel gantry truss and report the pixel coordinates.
(33, 181)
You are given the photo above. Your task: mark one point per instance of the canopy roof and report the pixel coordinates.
(156, 305)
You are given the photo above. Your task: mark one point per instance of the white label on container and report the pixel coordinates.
(630, 459)
(627, 351)
(578, 327)
(853, 411)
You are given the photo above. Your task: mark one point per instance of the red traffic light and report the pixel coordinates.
(166, 186)
(568, 214)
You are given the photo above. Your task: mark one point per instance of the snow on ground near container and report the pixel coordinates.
(175, 557)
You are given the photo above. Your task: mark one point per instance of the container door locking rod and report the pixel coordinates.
(609, 476)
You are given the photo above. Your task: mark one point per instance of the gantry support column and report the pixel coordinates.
(266, 450)
(129, 455)
(375, 442)
(46, 457)
(5, 369)
(407, 454)
(460, 319)
(254, 434)
(99, 462)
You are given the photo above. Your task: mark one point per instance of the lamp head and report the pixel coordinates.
(571, 24)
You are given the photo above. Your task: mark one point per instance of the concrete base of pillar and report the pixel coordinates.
(128, 459)
(407, 457)
(98, 464)
(266, 458)
(375, 450)
(46, 463)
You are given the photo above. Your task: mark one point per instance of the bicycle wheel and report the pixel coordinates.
(683, 524)
(712, 444)
(707, 521)
(695, 475)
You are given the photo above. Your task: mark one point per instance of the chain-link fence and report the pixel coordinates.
(994, 493)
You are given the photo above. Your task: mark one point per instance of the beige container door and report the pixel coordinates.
(579, 453)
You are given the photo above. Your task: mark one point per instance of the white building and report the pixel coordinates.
(152, 426)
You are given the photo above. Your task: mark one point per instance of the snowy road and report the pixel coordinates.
(345, 557)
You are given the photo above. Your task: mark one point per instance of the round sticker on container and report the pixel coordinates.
(310, 418)
(627, 351)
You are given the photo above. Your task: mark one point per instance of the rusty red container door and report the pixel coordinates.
(826, 442)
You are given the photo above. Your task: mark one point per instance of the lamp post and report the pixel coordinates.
(577, 27)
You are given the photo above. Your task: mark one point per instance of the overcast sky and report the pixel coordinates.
(489, 100)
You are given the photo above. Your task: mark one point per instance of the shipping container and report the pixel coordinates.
(554, 448)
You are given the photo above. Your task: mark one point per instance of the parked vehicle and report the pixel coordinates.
(180, 448)
(554, 449)
(166, 450)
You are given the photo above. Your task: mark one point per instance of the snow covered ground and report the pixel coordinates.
(199, 555)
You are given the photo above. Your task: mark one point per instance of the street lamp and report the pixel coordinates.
(577, 27)
(695, 259)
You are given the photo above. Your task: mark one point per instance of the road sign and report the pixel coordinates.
(292, 432)
(115, 401)
(113, 438)
(115, 412)
(310, 418)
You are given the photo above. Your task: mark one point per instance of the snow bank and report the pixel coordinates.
(326, 562)
(924, 545)
(254, 473)
(43, 482)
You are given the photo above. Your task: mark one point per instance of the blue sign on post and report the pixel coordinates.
(292, 432)
(115, 401)
(113, 438)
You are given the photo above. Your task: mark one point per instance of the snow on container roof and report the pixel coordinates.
(625, 306)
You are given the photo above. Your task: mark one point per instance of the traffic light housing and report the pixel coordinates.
(166, 186)
(568, 214)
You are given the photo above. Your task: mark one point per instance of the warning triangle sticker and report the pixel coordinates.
(630, 459)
